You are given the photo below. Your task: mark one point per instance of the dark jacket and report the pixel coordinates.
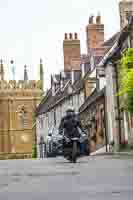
(69, 124)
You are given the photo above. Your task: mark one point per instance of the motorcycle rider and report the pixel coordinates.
(69, 123)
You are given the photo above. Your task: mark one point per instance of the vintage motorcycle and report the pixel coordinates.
(71, 146)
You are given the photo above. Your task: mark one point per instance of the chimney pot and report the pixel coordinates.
(98, 19)
(76, 36)
(65, 36)
(70, 36)
(91, 19)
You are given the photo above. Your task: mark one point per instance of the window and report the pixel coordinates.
(23, 119)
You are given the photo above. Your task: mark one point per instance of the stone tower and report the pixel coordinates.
(18, 101)
(71, 48)
(126, 10)
(94, 34)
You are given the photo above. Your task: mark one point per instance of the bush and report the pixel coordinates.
(34, 151)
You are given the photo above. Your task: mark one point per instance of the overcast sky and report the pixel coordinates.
(34, 29)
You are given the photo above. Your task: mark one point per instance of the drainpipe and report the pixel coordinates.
(105, 124)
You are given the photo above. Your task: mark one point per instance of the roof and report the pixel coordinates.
(111, 40)
(114, 52)
(91, 99)
(43, 101)
(50, 101)
(78, 85)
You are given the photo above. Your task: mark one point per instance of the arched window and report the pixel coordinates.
(23, 118)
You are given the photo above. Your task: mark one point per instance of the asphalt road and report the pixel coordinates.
(91, 178)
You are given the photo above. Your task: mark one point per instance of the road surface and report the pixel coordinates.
(91, 178)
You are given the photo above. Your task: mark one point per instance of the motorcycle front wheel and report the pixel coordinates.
(74, 152)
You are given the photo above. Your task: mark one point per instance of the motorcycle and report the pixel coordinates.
(71, 147)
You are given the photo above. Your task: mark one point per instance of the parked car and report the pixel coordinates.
(54, 144)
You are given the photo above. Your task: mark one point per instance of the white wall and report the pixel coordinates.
(110, 102)
(112, 107)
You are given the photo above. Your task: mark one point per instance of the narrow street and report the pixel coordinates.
(91, 178)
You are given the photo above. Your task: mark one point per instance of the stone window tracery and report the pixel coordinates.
(23, 117)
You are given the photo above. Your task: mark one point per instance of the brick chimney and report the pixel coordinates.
(94, 33)
(71, 50)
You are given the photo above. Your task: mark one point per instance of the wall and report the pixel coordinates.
(111, 105)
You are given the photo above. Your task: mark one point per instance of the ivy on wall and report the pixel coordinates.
(126, 79)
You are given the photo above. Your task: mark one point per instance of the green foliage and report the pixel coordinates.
(34, 151)
(126, 79)
(34, 117)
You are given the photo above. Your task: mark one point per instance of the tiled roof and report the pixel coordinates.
(51, 101)
(115, 52)
(111, 40)
(43, 101)
(91, 99)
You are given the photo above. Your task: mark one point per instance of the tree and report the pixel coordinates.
(126, 80)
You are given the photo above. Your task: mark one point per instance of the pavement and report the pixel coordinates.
(102, 151)
(91, 178)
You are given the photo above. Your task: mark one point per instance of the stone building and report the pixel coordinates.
(119, 122)
(92, 114)
(126, 10)
(92, 111)
(18, 101)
